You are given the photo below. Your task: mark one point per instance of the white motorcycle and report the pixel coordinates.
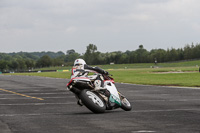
(97, 101)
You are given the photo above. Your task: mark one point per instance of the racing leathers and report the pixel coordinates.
(98, 80)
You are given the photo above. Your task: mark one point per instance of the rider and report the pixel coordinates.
(80, 65)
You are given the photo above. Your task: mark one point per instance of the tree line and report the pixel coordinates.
(30, 60)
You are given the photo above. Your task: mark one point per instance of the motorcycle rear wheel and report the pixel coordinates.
(92, 101)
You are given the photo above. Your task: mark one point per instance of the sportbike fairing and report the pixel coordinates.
(114, 96)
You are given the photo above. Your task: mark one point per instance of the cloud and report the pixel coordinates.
(112, 25)
(71, 29)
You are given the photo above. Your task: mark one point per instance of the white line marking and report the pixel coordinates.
(164, 110)
(143, 131)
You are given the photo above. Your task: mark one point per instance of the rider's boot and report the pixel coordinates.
(79, 102)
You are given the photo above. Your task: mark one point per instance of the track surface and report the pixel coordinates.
(43, 105)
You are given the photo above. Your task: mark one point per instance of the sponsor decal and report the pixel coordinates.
(115, 99)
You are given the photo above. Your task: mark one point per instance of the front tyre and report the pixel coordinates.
(125, 104)
(92, 101)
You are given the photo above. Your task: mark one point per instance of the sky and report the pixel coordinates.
(111, 25)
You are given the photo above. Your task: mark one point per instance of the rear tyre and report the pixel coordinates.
(125, 104)
(92, 101)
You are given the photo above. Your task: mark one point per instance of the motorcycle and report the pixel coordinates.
(97, 101)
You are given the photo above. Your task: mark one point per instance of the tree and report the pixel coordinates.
(133, 57)
(117, 57)
(21, 64)
(3, 65)
(141, 46)
(173, 55)
(141, 55)
(187, 52)
(72, 51)
(44, 61)
(90, 55)
(71, 56)
(14, 65)
(29, 63)
(159, 54)
(57, 62)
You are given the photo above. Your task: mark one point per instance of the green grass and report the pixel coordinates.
(194, 63)
(46, 74)
(142, 73)
(149, 77)
(146, 76)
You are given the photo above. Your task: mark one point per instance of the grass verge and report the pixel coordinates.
(176, 76)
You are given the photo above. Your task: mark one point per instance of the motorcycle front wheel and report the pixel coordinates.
(92, 101)
(125, 104)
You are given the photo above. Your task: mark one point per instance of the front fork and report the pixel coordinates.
(121, 96)
(105, 94)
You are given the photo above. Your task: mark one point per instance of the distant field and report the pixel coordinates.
(195, 63)
(167, 76)
(174, 77)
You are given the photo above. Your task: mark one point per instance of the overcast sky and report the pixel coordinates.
(112, 25)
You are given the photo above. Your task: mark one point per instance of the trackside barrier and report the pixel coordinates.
(62, 70)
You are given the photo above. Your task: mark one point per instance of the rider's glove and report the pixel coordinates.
(105, 72)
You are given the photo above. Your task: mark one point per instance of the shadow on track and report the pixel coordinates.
(91, 113)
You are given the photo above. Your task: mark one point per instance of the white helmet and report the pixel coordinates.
(79, 62)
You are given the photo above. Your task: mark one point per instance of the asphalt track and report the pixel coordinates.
(43, 105)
